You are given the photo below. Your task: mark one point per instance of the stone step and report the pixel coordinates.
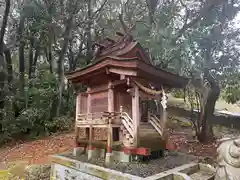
(189, 171)
(202, 175)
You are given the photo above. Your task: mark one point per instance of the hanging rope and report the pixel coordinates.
(147, 90)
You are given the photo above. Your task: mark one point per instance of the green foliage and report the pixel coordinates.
(177, 39)
(38, 118)
(232, 88)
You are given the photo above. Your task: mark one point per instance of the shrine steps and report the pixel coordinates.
(149, 137)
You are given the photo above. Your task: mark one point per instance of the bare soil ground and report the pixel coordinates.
(38, 152)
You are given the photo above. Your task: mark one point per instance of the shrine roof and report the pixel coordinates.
(126, 54)
(123, 48)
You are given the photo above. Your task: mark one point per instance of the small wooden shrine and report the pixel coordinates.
(114, 111)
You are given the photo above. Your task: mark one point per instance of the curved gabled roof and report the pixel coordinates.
(126, 54)
(125, 47)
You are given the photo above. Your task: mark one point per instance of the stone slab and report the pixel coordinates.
(63, 167)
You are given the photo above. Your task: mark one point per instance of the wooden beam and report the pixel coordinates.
(110, 134)
(87, 138)
(123, 71)
(99, 89)
(164, 119)
(89, 130)
(109, 143)
(89, 101)
(110, 97)
(118, 82)
(90, 146)
(78, 106)
(143, 95)
(135, 114)
(98, 125)
(122, 76)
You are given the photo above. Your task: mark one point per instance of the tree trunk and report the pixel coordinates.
(70, 58)
(21, 54)
(151, 4)
(66, 35)
(4, 24)
(9, 65)
(3, 81)
(3, 64)
(30, 54)
(34, 65)
(206, 132)
(89, 35)
(50, 58)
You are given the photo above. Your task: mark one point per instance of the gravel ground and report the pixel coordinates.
(145, 169)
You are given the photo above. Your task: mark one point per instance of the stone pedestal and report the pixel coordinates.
(229, 160)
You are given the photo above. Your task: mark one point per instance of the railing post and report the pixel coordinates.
(135, 114)
(148, 115)
(110, 116)
(110, 97)
(78, 106)
(109, 142)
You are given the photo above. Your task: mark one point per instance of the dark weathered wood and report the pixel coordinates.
(117, 145)
(147, 71)
(110, 80)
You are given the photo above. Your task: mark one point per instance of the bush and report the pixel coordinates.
(178, 93)
(37, 116)
(57, 124)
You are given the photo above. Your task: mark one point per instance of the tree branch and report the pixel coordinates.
(187, 12)
(125, 28)
(101, 7)
(151, 4)
(208, 5)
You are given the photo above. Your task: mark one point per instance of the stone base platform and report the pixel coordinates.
(171, 167)
(124, 155)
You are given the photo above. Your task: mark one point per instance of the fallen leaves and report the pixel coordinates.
(185, 144)
(38, 152)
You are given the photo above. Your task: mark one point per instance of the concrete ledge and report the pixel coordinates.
(62, 164)
(90, 169)
(168, 175)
